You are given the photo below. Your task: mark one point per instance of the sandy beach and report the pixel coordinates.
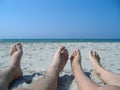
(37, 58)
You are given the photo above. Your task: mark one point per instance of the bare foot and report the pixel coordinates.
(95, 59)
(76, 60)
(60, 59)
(16, 55)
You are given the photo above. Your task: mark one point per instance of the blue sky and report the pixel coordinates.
(60, 19)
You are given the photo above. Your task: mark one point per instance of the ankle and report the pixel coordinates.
(53, 69)
(77, 68)
(13, 67)
(76, 65)
(98, 69)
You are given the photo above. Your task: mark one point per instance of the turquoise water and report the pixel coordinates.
(59, 40)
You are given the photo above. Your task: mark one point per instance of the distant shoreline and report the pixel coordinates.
(59, 40)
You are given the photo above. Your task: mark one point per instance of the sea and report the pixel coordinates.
(58, 40)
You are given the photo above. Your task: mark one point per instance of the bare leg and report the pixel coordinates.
(83, 82)
(49, 82)
(13, 71)
(105, 75)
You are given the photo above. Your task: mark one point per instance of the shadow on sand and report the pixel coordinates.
(64, 82)
(26, 79)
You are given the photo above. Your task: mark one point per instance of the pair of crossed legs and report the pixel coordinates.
(49, 82)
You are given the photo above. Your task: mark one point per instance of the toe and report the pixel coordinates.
(18, 46)
(13, 49)
(66, 54)
(78, 52)
(95, 53)
(72, 56)
(98, 57)
(61, 49)
(74, 53)
(65, 51)
(90, 53)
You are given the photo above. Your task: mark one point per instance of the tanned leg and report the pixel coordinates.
(13, 71)
(49, 82)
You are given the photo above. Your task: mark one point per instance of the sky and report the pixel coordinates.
(60, 19)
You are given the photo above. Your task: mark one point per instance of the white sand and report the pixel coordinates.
(38, 56)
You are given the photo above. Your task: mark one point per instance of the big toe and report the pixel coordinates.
(65, 53)
(72, 56)
(13, 49)
(18, 47)
(74, 53)
(78, 52)
(61, 49)
(90, 53)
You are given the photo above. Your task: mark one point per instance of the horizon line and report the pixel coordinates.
(55, 38)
